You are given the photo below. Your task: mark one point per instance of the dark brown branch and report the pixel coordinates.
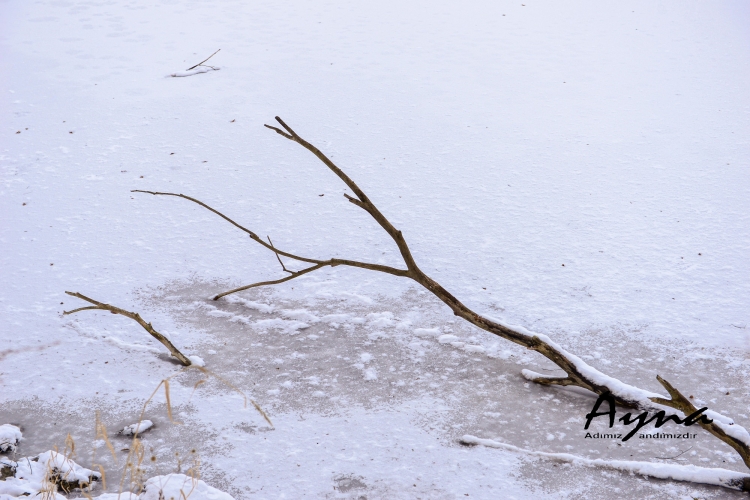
(280, 132)
(332, 263)
(156, 193)
(201, 63)
(356, 202)
(271, 247)
(296, 274)
(366, 203)
(81, 309)
(578, 373)
(134, 316)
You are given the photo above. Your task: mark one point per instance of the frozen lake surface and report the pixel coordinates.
(581, 171)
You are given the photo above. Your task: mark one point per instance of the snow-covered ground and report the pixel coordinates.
(578, 169)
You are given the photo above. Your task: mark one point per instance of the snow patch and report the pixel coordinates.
(196, 71)
(41, 474)
(381, 319)
(427, 332)
(447, 338)
(290, 327)
(197, 360)
(257, 306)
(180, 486)
(300, 315)
(137, 428)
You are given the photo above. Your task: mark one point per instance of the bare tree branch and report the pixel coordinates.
(82, 309)
(318, 263)
(579, 373)
(366, 203)
(134, 316)
(274, 282)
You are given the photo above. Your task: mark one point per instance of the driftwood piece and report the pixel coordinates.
(135, 317)
(578, 373)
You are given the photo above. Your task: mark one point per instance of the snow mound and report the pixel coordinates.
(10, 435)
(137, 428)
(180, 487)
(51, 471)
(44, 473)
(197, 360)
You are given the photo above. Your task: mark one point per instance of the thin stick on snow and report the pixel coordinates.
(135, 317)
(676, 456)
(201, 63)
(578, 373)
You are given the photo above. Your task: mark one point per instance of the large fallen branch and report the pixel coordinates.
(577, 372)
(135, 317)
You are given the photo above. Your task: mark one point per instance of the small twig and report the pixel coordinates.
(277, 256)
(201, 63)
(134, 316)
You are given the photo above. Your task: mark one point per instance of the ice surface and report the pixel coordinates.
(577, 169)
